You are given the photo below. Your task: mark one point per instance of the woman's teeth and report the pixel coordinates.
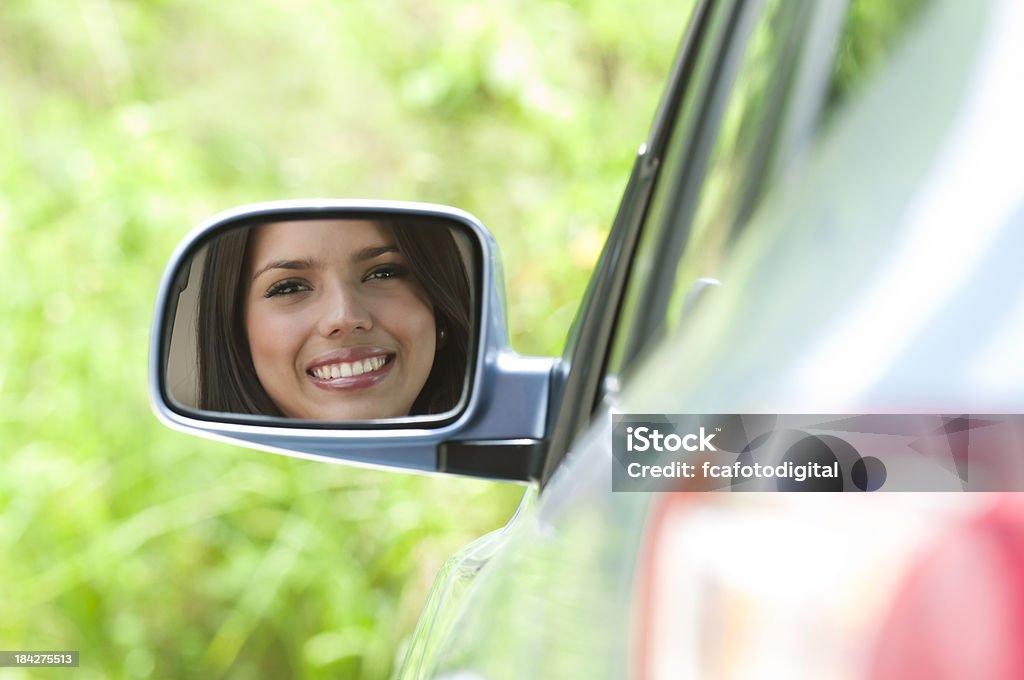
(349, 368)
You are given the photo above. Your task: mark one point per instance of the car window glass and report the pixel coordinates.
(687, 159)
(798, 66)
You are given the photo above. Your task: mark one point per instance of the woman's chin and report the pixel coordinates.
(366, 409)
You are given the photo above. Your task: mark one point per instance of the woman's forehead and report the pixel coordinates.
(319, 239)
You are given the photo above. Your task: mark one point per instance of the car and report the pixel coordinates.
(815, 265)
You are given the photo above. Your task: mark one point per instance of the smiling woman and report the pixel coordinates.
(331, 320)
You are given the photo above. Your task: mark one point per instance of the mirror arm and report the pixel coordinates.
(509, 442)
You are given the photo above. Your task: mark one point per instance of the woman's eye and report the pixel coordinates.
(286, 288)
(388, 271)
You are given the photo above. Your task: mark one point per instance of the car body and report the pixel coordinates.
(827, 218)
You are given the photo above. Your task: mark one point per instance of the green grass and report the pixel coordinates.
(122, 124)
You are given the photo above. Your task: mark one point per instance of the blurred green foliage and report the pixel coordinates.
(125, 122)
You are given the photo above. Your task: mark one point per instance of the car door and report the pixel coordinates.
(555, 600)
(748, 101)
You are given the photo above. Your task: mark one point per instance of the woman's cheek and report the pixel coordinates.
(276, 333)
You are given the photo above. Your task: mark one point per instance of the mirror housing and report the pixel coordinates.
(498, 429)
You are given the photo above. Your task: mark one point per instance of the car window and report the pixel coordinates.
(796, 64)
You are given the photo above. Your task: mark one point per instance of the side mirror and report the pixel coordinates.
(365, 332)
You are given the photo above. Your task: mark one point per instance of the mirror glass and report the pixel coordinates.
(324, 319)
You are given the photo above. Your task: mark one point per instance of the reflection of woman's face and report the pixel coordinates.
(337, 326)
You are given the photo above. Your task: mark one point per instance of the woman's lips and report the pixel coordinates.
(347, 369)
(350, 372)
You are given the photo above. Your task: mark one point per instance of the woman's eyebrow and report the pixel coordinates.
(373, 251)
(304, 263)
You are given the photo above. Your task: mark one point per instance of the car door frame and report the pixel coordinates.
(579, 379)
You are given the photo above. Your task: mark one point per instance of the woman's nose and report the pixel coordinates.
(344, 311)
